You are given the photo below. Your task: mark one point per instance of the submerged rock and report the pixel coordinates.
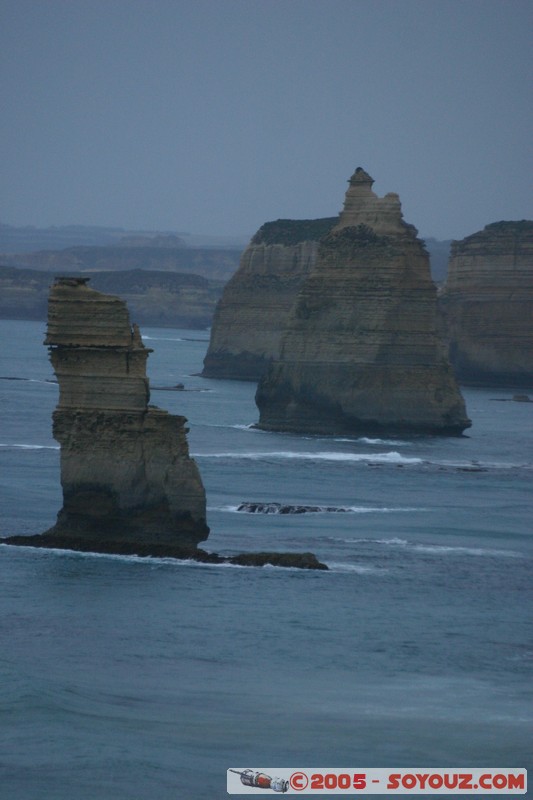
(487, 302)
(360, 351)
(295, 560)
(280, 508)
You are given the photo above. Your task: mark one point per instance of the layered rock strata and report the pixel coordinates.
(488, 305)
(360, 351)
(126, 472)
(129, 484)
(251, 314)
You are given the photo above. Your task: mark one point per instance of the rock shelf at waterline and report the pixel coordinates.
(128, 548)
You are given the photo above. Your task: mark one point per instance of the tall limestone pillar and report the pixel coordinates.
(126, 472)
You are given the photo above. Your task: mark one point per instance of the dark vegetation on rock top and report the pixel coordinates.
(293, 231)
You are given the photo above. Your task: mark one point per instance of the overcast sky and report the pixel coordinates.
(214, 116)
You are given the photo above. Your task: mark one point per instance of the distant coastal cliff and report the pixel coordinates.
(161, 299)
(360, 351)
(487, 302)
(164, 282)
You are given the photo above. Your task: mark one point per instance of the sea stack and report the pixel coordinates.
(126, 472)
(252, 312)
(360, 351)
(487, 303)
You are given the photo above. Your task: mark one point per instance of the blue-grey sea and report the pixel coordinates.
(124, 678)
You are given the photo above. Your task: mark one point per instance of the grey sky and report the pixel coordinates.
(214, 116)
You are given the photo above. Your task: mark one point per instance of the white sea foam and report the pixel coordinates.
(355, 541)
(392, 457)
(358, 569)
(160, 339)
(432, 549)
(29, 446)
(152, 561)
(128, 559)
(366, 440)
(480, 466)
(48, 382)
(394, 541)
(470, 551)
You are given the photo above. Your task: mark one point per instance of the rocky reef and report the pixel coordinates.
(360, 351)
(487, 304)
(251, 314)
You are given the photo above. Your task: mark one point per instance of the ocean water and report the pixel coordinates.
(131, 679)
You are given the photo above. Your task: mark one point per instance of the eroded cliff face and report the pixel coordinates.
(252, 312)
(488, 305)
(126, 472)
(360, 351)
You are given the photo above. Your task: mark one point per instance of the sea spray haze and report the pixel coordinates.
(131, 678)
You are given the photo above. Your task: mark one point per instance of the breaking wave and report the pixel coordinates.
(49, 381)
(469, 551)
(29, 446)
(392, 457)
(160, 338)
(155, 561)
(431, 549)
(366, 440)
(359, 569)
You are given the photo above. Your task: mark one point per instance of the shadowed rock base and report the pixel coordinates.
(243, 366)
(319, 400)
(182, 552)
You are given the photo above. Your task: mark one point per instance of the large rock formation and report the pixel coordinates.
(129, 484)
(125, 467)
(488, 305)
(360, 351)
(252, 312)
